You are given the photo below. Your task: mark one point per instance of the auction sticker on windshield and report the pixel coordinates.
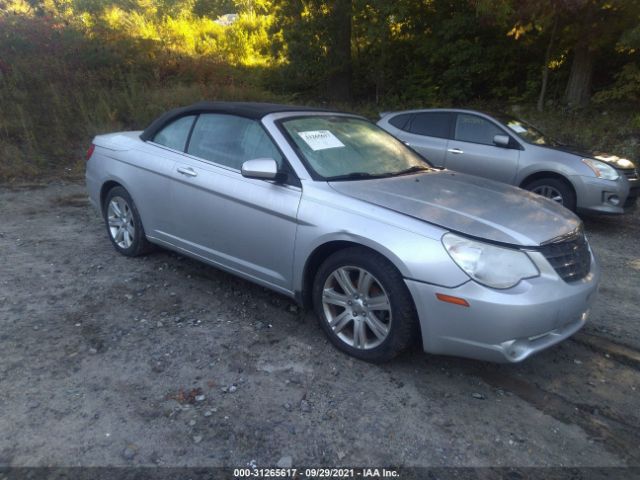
(320, 139)
(516, 127)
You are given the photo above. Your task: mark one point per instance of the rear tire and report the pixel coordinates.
(123, 224)
(554, 189)
(364, 306)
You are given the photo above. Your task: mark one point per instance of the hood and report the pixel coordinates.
(613, 160)
(573, 149)
(474, 206)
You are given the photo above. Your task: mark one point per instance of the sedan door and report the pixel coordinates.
(472, 150)
(247, 226)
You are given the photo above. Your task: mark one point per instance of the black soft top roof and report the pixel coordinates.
(253, 110)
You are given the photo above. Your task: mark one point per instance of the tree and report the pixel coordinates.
(576, 32)
(595, 27)
(314, 38)
(339, 40)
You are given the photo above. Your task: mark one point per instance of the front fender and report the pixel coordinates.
(414, 247)
(537, 160)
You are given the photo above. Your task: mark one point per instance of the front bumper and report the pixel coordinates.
(634, 193)
(504, 325)
(594, 195)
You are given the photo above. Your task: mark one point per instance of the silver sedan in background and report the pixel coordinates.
(334, 212)
(509, 150)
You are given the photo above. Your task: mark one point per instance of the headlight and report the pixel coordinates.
(601, 169)
(619, 162)
(490, 265)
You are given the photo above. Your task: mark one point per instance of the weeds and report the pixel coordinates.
(59, 87)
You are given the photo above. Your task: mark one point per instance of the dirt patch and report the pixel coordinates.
(74, 200)
(164, 361)
(19, 187)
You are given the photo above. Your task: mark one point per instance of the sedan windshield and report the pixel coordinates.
(347, 148)
(526, 131)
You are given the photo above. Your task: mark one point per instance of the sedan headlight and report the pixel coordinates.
(619, 162)
(601, 169)
(490, 265)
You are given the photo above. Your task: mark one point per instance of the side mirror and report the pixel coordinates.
(262, 168)
(501, 140)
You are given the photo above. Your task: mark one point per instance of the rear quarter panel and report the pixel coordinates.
(142, 169)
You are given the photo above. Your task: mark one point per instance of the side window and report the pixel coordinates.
(175, 134)
(471, 128)
(433, 124)
(230, 141)
(401, 121)
(257, 144)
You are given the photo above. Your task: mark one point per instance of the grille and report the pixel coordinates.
(571, 259)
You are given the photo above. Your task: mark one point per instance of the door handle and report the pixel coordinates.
(188, 171)
(454, 150)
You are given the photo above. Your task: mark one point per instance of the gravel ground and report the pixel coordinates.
(164, 361)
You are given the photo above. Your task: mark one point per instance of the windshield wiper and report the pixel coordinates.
(357, 176)
(410, 170)
(366, 176)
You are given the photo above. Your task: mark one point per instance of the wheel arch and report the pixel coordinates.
(320, 253)
(105, 189)
(323, 251)
(548, 174)
(108, 185)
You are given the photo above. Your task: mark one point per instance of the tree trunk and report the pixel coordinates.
(339, 77)
(547, 59)
(578, 90)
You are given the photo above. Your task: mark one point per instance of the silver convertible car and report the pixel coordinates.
(506, 149)
(332, 211)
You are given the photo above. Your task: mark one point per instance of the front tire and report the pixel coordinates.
(363, 305)
(554, 189)
(123, 224)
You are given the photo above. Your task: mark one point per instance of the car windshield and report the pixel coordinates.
(526, 131)
(347, 148)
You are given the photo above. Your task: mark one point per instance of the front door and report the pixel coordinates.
(245, 225)
(473, 151)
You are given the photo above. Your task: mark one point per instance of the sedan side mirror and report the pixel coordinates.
(262, 168)
(501, 140)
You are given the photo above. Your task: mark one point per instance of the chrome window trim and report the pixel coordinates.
(223, 167)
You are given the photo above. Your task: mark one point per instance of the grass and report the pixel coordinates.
(46, 126)
(60, 86)
(46, 131)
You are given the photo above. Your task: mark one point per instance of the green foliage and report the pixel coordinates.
(93, 67)
(213, 8)
(72, 68)
(607, 129)
(626, 87)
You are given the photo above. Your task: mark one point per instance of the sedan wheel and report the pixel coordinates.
(123, 223)
(555, 189)
(549, 192)
(363, 305)
(356, 307)
(120, 219)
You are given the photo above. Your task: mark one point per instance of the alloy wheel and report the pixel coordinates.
(549, 192)
(356, 307)
(121, 225)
